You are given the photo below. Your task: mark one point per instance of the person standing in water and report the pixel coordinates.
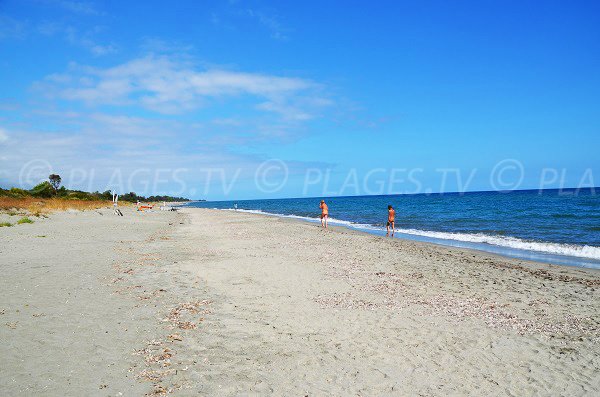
(390, 221)
(324, 213)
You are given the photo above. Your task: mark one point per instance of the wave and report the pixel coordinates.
(330, 220)
(581, 251)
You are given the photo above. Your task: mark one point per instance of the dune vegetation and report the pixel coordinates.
(49, 196)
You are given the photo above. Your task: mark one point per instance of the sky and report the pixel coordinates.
(255, 99)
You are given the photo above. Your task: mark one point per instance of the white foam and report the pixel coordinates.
(330, 220)
(580, 251)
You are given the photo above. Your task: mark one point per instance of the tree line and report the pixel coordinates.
(51, 188)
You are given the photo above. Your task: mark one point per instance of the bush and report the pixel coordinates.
(62, 192)
(17, 193)
(5, 224)
(43, 190)
(77, 195)
(24, 220)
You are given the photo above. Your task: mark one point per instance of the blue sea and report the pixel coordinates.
(553, 226)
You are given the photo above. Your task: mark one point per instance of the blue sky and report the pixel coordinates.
(338, 98)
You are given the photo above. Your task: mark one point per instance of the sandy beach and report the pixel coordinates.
(206, 302)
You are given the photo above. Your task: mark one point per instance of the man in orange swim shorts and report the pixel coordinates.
(391, 218)
(324, 213)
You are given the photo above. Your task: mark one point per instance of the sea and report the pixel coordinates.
(551, 226)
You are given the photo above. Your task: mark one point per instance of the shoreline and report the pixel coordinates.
(228, 303)
(426, 237)
(535, 264)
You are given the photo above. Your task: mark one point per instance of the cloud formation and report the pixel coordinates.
(170, 86)
(155, 113)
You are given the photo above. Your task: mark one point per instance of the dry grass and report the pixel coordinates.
(36, 206)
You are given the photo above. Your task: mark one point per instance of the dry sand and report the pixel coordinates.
(225, 303)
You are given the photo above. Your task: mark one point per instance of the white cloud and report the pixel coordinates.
(167, 85)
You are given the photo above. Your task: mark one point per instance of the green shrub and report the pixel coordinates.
(16, 192)
(24, 220)
(62, 192)
(43, 190)
(77, 195)
(5, 224)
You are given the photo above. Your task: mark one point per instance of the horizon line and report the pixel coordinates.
(408, 194)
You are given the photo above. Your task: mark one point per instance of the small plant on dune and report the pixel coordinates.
(24, 220)
(5, 224)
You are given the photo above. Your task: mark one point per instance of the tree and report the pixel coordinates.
(55, 181)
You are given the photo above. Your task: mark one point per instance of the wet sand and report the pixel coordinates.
(223, 303)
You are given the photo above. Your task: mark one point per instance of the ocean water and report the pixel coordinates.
(554, 226)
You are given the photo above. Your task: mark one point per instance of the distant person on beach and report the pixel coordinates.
(324, 213)
(390, 221)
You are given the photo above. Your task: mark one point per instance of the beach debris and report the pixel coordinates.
(392, 291)
(175, 337)
(344, 301)
(127, 289)
(186, 325)
(153, 294)
(153, 375)
(189, 309)
(158, 390)
(154, 356)
(494, 316)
